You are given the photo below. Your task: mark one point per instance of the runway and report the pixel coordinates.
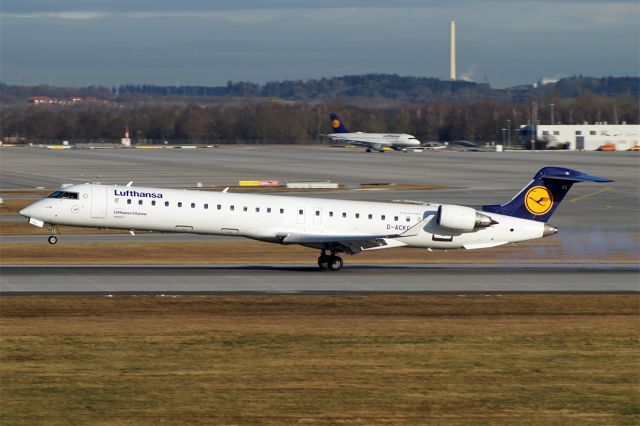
(593, 219)
(284, 279)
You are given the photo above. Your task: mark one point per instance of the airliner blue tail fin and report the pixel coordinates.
(336, 124)
(540, 198)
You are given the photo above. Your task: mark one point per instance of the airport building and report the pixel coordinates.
(588, 137)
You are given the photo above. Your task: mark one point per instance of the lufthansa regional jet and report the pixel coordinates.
(372, 141)
(329, 225)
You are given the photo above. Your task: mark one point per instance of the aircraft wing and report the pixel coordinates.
(351, 244)
(353, 141)
(372, 145)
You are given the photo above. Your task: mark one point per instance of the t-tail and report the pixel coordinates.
(336, 124)
(540, 198)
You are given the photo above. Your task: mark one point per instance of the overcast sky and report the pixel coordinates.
(197, 42)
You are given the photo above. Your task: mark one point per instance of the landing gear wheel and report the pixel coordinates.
(52, 239)
(368, 149)
(335, 263)
(323, 262)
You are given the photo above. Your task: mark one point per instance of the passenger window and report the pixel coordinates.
(153, 202)
(244, 209)
(395, 218)
(382, 217)
(300, 212)
(232, 208)
(166, 204)
(281, 211)
(219, 206)
(357, 215)
(317, 212)
(139, 202)
(268, 209)
(193, 205)
(330, 214)
(180, 204)
(370, 216)
(408, 219)
(129, 201)
(344, 214)
(257, 209)
(206, 206)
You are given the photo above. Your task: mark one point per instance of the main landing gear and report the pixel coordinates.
(53, 229)
(330, 262)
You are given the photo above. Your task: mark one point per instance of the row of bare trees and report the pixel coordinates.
(277, 121)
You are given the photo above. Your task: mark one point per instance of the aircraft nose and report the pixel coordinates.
(28, 211)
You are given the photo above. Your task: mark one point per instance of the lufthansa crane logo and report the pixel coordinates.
(538, 200)
(335, 123)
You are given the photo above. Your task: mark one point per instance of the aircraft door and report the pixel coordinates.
(98, 201)
(317, 215)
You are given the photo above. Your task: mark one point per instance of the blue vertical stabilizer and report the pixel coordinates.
(336, 124)
(540, 198)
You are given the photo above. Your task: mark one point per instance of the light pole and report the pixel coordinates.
(552, 115)
(534, 130)
(508, 132)
(504, 136)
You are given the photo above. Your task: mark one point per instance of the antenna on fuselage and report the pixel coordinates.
(129, 184)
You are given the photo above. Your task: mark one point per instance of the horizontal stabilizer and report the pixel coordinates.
(570, 175)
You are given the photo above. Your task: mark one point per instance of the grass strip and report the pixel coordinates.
(243, 251)
(512, 359)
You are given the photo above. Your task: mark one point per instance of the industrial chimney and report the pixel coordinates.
(452, 52)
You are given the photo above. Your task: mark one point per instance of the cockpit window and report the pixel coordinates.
(63, 194)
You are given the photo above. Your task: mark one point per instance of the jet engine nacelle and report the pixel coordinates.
(461, 218)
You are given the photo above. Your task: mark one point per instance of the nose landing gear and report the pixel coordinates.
(330, 262)
(53, 229)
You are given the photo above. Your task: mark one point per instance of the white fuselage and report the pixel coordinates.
(377, 141)
(270, 217)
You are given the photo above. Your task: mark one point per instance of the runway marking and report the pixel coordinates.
(582, 197)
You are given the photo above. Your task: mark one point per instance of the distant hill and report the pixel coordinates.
(384, 86)
(396, 88)
(350, 89)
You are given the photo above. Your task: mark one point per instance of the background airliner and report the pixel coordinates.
(372, 141)
(332, 226)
